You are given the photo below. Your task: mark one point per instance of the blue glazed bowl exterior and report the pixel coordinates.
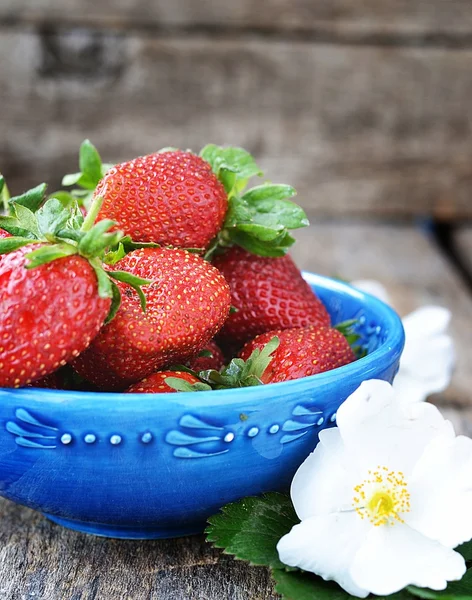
(145, 465)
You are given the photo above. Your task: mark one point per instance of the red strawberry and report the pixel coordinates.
(48, 314)
(156, 383)
(172, 198)
(302, 352)
(187, 303)
(4, 234)
(268, 293)
(203, 363)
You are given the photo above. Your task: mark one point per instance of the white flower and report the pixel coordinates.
(428, 359)
(384, 497)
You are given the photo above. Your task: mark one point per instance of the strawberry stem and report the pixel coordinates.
(92, 213)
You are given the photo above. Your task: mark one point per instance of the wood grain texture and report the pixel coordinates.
(412, 269)
(341, 17)
(357, 130)
(42, 561)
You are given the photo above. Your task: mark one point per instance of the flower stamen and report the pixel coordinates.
(382, 497)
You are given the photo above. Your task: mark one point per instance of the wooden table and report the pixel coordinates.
(42, 561)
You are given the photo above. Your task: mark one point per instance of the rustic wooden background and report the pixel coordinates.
(365, 107)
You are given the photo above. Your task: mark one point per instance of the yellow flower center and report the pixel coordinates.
(382, 497)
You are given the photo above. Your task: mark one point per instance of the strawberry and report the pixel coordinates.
(187, 303)
(4, 234)
(302, 352)
(48, 314)
(267, 293)
(54, 296)
(211, 357)
(170, 197)
(156, 383)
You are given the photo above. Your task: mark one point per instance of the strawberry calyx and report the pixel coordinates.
(238, 373)
(258, 219)
(348, 330)
(65, 232)
(92, 169)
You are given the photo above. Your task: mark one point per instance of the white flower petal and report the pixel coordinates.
(326, 546)
(393, 557)
(441, 491)
(427, 321)
(325, 481)
(378, 429)
(372, 287)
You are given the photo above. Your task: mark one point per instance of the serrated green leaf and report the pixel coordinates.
(180, 385)
(465, 550)
(27, 219)
(455, 590)
(13, 243)
(251, 528)
(52, 216)
(261, 232)
(12, 225)
(300, 585)
(114, 256)
(115, 302)
(134, 281)
(31, 199)
(90, 164)
(48, 253)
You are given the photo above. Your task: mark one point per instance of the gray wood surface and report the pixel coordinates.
(412, 269)
(42, 561)
(405, 18)
(364, 130)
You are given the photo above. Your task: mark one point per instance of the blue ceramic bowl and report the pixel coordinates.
(150, 466)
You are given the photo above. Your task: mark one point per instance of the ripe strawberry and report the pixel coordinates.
(202, 363)
(156, 383)
(302, 352)
(187, 303)
(171, 198)
(268, 293)
(4, 234)
(48, 314)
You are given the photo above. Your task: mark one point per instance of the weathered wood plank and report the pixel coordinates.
(358, 130)
(355, 19)
(412, 269)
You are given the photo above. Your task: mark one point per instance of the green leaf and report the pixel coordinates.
(90, 164)
(31, 199)
(27, 220)
(300, 585)
(455, 590)
(269, 192)
(105, 286)
(4, 195)
(205, 354)
(12, 225)
(114, 256)
(48, 253)
(180, 385)
(71, 179)
(52, 216)
(134, 281)
(115, 301)
(251, 528)
(13, 243)
(465, 550)
(277, 247)
(96, 240)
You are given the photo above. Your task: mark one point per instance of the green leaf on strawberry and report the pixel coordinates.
(31, 199)
(180, 385)
(91, 171)
(259, 219)
(4, 194)
(242, 373)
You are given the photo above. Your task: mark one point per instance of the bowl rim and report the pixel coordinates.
(390, 349)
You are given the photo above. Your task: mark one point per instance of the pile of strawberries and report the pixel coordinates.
(159, 274)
